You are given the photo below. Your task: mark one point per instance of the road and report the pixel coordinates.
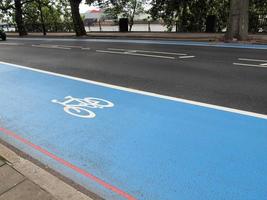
(128, 119)
(209, 77)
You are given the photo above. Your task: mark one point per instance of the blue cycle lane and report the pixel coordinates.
(128, 145)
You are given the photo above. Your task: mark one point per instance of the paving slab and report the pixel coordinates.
(48, 182)
(1, 162)
(26, 191)
(9, 178)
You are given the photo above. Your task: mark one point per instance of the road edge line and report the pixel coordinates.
(66, 163)
(216, 107)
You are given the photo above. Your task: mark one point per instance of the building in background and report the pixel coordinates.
(95, 19)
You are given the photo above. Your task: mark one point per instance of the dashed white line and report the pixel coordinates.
(187, 57)
(65, 46)
(250, 65)
(135, 54)
(253, 60)
(11, 44)
(86, 48)
(50, 47)
(144, 51)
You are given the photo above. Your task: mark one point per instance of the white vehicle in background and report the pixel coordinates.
(8, 27)
(263, 29)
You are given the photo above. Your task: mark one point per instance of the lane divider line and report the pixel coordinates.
(66, 46)
(50, 47)
(187, 57)
(67, 164)
(135, 54)
(11, 44)
(58, 46)
(250, 65)
(253, 60)
(196, 103)
(161, 42)
(86, 48)
(144, 51)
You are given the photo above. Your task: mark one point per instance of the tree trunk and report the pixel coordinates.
(18, 18)
(238, 20)
(77, 20)
(133, 15)
(131, 24)
(42, 17)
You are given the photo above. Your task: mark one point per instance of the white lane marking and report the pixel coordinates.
(116, 49)
(61, 46)
(135, 54)
(264, 64)
(144, 51)
(187, 57)
(11, 44)
(253, 60)
(50, 47)
(57, 46)
(160, 42)
(249, 65)
(66, 46)
(216, 107)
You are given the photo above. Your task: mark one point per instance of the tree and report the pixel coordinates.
(220, 8)
(19, 19)
(65, 11)
(169, 11)
(41, 12)
(6, 8)
(238, 20)
(124, 8)
(17, 6)
(189, 15)
(77, 20)
(76, 17)
(257, 15)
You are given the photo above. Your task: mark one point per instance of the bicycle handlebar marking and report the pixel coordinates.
(81, 107)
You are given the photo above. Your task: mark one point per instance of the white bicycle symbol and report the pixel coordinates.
(81, 107)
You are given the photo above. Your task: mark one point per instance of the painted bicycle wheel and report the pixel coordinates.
(98, 103)
(79, 112)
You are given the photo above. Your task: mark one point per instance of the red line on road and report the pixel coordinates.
(68, 164)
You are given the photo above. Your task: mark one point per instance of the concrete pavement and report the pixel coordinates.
(14, 186)
(20, 179)
(215, 37)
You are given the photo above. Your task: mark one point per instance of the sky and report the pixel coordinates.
(84, 7)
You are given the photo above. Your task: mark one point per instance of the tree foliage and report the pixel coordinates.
(257, 12)
(124, 8)
(185, 15)
(189, 15)
(51, 15)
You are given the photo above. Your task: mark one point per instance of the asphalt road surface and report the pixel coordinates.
(204, 74)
